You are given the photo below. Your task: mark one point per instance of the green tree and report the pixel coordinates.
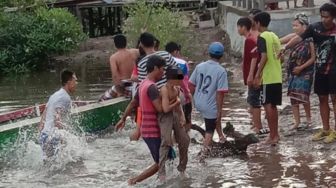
(27, 39)
(163, 23)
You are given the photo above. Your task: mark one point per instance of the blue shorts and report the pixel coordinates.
(154, 147)
(50, 145)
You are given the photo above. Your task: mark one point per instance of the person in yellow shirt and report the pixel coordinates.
(269, 74)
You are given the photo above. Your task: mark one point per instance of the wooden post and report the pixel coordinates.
(244, 3)
(261, 4)
(249, 4)
(110, 24)
(119, 20)
(239, 3)
(310, 3)
(91, 24)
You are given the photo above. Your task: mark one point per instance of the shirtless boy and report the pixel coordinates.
(171, 119)
(121, 63)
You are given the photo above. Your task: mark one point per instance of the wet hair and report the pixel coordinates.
(147, 40)
(66, 75)
(329, 7)
(120, 41)
(254, 11)
(155, 61)
(245, 22)
(172, 46)
(174, 73)
(215, 56)
(263, 18)
(302, 18)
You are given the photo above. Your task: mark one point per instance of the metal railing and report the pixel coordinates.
(261, 4)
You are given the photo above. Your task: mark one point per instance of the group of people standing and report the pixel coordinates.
(311, 61)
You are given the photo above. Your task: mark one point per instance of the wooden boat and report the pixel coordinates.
(89, 116)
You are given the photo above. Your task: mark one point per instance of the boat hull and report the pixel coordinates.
(91, 118)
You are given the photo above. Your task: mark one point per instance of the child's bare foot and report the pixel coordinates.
(132, 181)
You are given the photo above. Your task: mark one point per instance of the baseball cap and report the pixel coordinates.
(216, 48)
(174, 73)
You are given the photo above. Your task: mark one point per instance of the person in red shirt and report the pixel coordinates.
(249, 66)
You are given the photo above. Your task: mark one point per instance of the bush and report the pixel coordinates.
(163, 23)
(28, 39)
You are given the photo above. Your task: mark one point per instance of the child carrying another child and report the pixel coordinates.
(171, 119)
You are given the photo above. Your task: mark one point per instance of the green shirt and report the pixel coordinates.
(269, 43)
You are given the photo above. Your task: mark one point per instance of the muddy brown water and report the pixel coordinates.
(110, 160)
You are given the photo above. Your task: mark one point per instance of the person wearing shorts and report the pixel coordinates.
(249, 68)
(269, 73)
(56, 115)
(149, 100)
(209, 83)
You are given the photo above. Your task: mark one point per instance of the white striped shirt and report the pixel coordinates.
(142, 66)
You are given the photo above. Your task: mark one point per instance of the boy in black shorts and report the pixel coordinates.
(269, 73)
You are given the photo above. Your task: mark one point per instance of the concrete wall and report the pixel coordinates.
(280, 24)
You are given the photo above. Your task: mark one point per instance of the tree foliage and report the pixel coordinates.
(163, 23)
(27, 39)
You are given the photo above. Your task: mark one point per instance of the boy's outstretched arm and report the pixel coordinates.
(133, 104)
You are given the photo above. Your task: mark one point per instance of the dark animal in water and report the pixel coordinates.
(236, 147)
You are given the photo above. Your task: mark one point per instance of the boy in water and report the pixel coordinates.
(175, 50)
(148, 98)
(56, 114)
(269, 73)
(209, 83)
(171, 119)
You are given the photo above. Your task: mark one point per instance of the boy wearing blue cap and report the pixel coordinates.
(209, 83)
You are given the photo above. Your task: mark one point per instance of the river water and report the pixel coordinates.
(110, 160)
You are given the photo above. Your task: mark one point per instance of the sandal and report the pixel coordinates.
(263, 131)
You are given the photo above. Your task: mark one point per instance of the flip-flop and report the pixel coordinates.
(263, 131)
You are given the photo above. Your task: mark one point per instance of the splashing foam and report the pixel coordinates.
(26, 153)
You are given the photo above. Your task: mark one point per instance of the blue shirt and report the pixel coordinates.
(208, 78)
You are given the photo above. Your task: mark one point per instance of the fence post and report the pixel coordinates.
(261, 4)
(310, 3)
(244, 3)
(239, 3)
